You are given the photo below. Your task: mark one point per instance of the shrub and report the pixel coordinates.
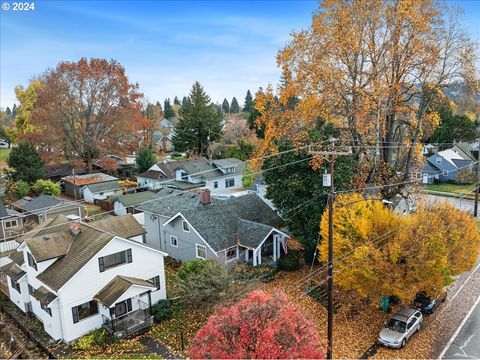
(95, 338)
(46, 187)
(259, 326)
(289, 262)
(244, 272)
(203, 280)
(22, 188)
(162, 311)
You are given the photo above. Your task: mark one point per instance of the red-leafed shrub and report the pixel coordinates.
(261, 326)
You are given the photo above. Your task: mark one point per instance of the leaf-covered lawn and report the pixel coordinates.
(451, 188)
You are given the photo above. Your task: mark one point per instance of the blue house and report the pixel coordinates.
(444, 166)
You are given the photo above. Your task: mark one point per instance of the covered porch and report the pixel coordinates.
(268, 251)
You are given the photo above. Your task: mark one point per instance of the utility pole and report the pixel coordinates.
(328, 181)
(477, 185)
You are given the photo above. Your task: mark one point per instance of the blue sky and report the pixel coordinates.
(229, 46)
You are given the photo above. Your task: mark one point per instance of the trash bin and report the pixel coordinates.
(384, 303)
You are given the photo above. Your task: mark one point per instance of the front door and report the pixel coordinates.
(123, 307)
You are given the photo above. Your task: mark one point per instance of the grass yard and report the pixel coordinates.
(4, 154)
(454, 189)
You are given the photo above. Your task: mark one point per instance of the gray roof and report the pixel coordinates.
(462, 163)
(252, 233)
(13, 270)
(104, 186)
(41, 202)
(229, 162)
(218, 221)
(17, 257)
(135, 198)
(51, 245)
(3, 211)
(118, 286)
(43, 296)
(430, 168)
(152, 174)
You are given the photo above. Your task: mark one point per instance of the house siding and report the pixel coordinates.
(221, 184)
(445, 165)
(90, 197)
(187, 242)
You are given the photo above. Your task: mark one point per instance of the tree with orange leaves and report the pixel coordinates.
(373, 68)
(85, 109)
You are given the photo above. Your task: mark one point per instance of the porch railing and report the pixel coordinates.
(128, 324)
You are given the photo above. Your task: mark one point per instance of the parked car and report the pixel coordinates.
(428, 304)
(400, 328)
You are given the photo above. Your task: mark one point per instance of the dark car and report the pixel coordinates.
(428, 304)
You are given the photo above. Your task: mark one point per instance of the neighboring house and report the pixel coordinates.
(11, 223)
(444, 166)
(197, 226)
(429, 149)
(114, 164)
(125, 204)
(163, 140)
(466, 150)
(93, 193)
(75, 183)
(220, 176)
(37, 210)
(77, 277)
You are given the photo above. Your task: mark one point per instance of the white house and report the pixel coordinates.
(125, 204)
(76, 277)
(219, 176)
(101, 191)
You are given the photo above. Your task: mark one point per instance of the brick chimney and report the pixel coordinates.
(75, 228)
(205, 197)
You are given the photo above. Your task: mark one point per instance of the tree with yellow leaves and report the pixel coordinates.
(380, 253)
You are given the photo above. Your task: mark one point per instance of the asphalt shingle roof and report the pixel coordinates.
(13, 270)
(3, 211)
(50, 246)
(17, 257)
(118, 286)
(84, 246)
(462, 163)
(125, 226)
(42, 202)
(104, 186)
(430, 168)
(135, 198)
(252, 233)
(43, 296)
(217, 222)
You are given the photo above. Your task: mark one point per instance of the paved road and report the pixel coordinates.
(466, 344)
(462, 204)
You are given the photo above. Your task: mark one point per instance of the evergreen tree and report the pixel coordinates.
(145, 160)
(200, 119)
(176, 101)
(248, 106)
(26, 163)
(167, 109)
(225, 106)
(184, 101)
(159, 106)
(14, 111)
(234, 107)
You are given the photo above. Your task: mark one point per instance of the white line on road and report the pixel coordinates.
(461, 287)
(452, 339)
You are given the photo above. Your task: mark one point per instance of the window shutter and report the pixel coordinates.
(101, 266)
(157, 281)
(75, 314)
(129, 255)
(129, 304)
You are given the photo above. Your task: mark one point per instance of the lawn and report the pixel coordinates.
(454, 189)
(4, 153)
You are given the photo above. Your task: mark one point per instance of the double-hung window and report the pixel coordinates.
(231, 254)
(112, 260)
(173, 241)
(229, 183)
(185, 226)
(11, 223)
(84, 310)
(201, 251)
(15, 285)
(156, 281)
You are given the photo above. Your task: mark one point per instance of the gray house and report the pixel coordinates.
(11, 222)
(197, 226)
(444, 166)
(37, 210)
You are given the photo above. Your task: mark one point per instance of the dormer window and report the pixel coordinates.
(229, 170)
(31, 261)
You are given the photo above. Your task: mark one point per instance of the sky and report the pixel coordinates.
(165, 46)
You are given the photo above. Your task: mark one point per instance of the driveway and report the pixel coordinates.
(462, 204)
(465, 343)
